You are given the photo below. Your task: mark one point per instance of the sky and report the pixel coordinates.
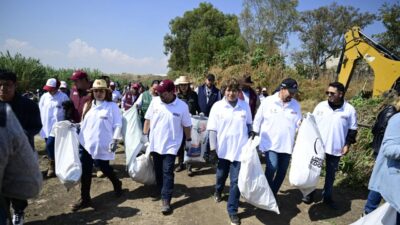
(121, 36)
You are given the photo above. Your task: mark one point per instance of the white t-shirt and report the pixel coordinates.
(51, 111)
(116, 96)
(276, 122)
(334, 125)
(97, 129)
(230, 123)
(166, 125)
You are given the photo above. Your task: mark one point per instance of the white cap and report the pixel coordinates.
(51, 84)
(63, 84)
(264, 89)
(112, 83)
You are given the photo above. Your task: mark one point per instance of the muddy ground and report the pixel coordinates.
(192, 203)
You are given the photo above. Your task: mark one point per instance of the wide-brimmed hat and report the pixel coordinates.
(100, 84)
(183, 80)
(51, 85)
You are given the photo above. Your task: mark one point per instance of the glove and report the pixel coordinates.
(188, 145)
(252, 134)
(113, 146)
(144, 139)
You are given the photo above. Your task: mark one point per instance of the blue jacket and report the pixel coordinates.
(205, 106)
(385, 177)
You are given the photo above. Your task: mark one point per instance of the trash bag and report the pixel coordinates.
(66, 153)
(199, 140)
(141, 168)
(132, 132)
(252, 183)
(307, 157)
(384, 215)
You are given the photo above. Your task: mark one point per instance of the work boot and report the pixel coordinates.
(217, 197)
(235, 220)
(81, 204)
(51, 171)
(166, 207)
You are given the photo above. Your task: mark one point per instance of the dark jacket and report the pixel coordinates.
(191, 100)
(28, 115)
(252, 101)
(205, 107)
(378, 130)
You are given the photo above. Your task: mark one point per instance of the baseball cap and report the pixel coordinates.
(211, 77)
(264, 89)
(63, 84)
(51, 85)
(165, 85)
(79, 74)
(290, 84)
(112, 83)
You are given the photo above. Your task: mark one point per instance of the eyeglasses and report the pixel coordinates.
(330, 93)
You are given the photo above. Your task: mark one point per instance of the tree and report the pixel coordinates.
(201, 38)
(390, 17)
(267, 23)
(321, 30)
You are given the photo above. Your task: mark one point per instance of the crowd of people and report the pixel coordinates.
(235, 113)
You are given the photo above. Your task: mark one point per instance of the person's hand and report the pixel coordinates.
(113, 146)
(252, 134)
(188, 144)
(345, 150)
(144, 139)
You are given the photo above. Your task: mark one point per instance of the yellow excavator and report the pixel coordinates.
(386, 65)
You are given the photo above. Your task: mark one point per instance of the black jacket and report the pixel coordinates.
(191, 100)
(378, 130)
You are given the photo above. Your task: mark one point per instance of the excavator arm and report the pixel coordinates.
(385, 65)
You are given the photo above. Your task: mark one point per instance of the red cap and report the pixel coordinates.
(135, 86)
(79, 74)
(165, 85)
(51, 85)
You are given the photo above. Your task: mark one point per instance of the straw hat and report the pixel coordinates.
(100, 84)
(183, 80)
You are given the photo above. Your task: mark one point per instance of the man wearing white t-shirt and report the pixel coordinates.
(276, 121)
(229, 125)
(167, 118)
(337, 124)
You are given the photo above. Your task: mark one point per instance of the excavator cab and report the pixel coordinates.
(386, 65)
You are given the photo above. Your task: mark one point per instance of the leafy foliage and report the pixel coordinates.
(390, 17)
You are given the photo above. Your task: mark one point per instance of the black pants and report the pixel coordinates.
(87, 166)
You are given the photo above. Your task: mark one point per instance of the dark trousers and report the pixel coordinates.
(50, 145)
(87, 166)
(164, 169)
(332, 163)
(225, 168)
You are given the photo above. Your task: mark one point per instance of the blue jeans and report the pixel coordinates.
(224, 168)
(374, 198)
(50, 145)
(164, 169)
(277, 165)
(332, 163)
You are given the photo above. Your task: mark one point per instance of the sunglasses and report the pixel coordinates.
(330, 93)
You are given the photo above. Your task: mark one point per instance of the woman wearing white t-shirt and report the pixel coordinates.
(100, 131)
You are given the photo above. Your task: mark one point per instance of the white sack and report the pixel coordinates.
(307, 157)
(384, 215)
(252, 183)
(66, 154)
(199, 140)
(142, 170)
(132, 132)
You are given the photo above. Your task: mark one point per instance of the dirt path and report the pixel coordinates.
(192, 204)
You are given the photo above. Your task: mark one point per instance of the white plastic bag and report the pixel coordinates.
(132, 132)
(384, 215)
(66, 154)
(308, 157)
(142, 170)
(199, 140)
(252, 183)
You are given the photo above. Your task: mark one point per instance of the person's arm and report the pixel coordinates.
(146, 127)
(391, 142)
(212, 136)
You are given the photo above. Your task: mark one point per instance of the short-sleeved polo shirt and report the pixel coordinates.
(166, 125)
(334, 125)
(276, 122)
(230, 123)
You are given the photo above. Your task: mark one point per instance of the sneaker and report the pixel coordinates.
(235, 220)
(18, 219)
(217, 197)
(80, 204)
(308, 199)
(166, 207)
(329, 202)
